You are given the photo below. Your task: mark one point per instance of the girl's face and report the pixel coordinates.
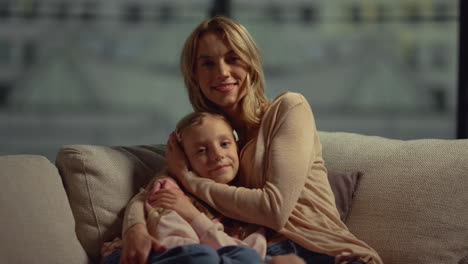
(220, 72)
(211, 150)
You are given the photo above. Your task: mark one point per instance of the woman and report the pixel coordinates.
(282, 173)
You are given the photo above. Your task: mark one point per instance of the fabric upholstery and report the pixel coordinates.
(100, 181)
(411, 205)
(37, 224)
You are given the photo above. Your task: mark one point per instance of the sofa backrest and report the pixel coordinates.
(411, 204)
(412, 201)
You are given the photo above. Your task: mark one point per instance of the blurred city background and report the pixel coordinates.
(106, 72)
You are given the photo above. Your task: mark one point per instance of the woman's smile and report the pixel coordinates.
(225, 87)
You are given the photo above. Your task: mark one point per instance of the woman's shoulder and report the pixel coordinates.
(288, 100)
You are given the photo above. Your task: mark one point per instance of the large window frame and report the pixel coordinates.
(462, 117)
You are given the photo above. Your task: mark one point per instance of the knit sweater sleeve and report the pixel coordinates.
(286, 144)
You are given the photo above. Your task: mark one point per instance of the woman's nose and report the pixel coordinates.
(223, 70)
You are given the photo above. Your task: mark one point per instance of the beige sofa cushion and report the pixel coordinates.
(412, 202)
(100, 181)
(31, 184)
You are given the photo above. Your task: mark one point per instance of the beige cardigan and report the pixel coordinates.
(286, 185)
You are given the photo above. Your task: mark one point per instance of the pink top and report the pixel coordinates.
(171, 230)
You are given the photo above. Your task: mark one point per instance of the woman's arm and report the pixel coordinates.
(288, 142)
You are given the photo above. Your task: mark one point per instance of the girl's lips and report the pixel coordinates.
(220, 167)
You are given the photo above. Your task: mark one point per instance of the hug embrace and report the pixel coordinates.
(260, 196)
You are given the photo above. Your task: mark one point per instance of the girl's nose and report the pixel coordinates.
(217, 155)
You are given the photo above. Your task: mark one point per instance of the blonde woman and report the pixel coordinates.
(282, 172)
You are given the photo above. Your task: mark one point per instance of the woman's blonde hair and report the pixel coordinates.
(254, 102)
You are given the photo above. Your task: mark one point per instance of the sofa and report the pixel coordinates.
(409, 200)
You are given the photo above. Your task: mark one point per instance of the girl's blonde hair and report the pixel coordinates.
(196, 118)
(254, 104)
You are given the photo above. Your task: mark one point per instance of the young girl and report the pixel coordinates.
(175, 219)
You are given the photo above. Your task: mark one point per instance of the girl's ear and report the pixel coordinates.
(179, 137)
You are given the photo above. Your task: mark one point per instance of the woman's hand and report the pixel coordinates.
(174, 200)
(176, 160)
(137, 245)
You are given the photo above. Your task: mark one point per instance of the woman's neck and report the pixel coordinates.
(244, 132)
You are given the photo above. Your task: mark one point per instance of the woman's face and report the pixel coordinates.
(220, 72)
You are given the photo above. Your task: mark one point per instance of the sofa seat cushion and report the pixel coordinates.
(36, 215)
(412, 202)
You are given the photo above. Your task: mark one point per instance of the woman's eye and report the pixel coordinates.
(233, 59)
(207, 63)
(225, 144)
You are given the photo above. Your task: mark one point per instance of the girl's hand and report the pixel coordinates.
(137, 245)
(176, 160)
(173, 200)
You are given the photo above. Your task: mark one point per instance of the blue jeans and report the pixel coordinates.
(196, 254)
(289, 247)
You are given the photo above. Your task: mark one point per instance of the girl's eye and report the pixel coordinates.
(201, 150)
(225, 144)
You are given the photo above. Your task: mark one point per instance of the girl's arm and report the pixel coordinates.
(204, 229)
(172, 230)
(213, 235)
(288, 142)
(137, 242)
(134, 212)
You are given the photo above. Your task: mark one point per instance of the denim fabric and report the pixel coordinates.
(289, 247)
(195, 254)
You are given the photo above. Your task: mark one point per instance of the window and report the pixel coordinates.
(386, 68)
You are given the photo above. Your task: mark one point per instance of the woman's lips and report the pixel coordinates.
(225, 87)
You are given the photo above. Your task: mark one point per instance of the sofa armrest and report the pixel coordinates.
(37, 224)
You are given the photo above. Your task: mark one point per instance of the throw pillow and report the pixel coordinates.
(100, 181)
(344, 185)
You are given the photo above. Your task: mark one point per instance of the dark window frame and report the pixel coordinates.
(462, 108)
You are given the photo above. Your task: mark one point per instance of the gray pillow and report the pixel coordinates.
(344, 185)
